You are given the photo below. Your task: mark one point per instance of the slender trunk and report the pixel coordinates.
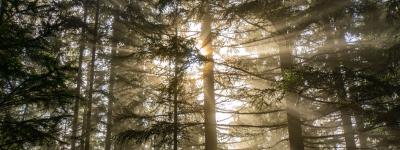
(78, 83)
(83, 132)
(337, 42)
(361, 135)
(345, 112)
(111, 98)
(347, 128)
(285, 42)
(208, 80)
(293, 117)
(175, 91)
(91, 79)
(3, 6)
(175, 80)
(175, 84)
(2, 10)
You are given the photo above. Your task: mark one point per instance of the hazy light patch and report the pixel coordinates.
(230, 105)
(237, 52)
(162, 64)
(194, 27)
(352, 38)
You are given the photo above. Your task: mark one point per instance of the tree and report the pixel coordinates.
(79, 80)
(34, 80)
(208, 77)
(88, 125)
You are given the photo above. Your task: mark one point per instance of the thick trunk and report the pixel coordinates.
(91, 80)
(208, 81)
(293, 117)
(78, 84)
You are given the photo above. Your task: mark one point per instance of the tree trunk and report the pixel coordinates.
(111, 98)
(291, 98)
(337, 42)
(175, 93)
(78, 82)
(175, 80)
(361, 134)
(208, 80)
(2, 10)
(345, 115)
(91, 79)
(175, 86)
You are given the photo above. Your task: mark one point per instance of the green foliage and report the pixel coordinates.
(161, 129)
(292, 79)
(34, 81)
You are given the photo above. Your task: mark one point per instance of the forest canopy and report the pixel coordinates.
(199, 74)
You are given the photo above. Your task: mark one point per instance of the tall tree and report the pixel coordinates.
(88, 126)
(79, 80)
(291, 98)
(34, 80)
(286, 34)
(206, 38)
(116, 31)
(336, 40)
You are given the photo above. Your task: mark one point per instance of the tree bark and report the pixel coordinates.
(361, 135)
(291, 98)
(175, 80)
(345, 115)
(111, 98)
(337, 41)
(208, 80)
(2, 10)
(78, 82)
(91, 79)
(175, 90)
